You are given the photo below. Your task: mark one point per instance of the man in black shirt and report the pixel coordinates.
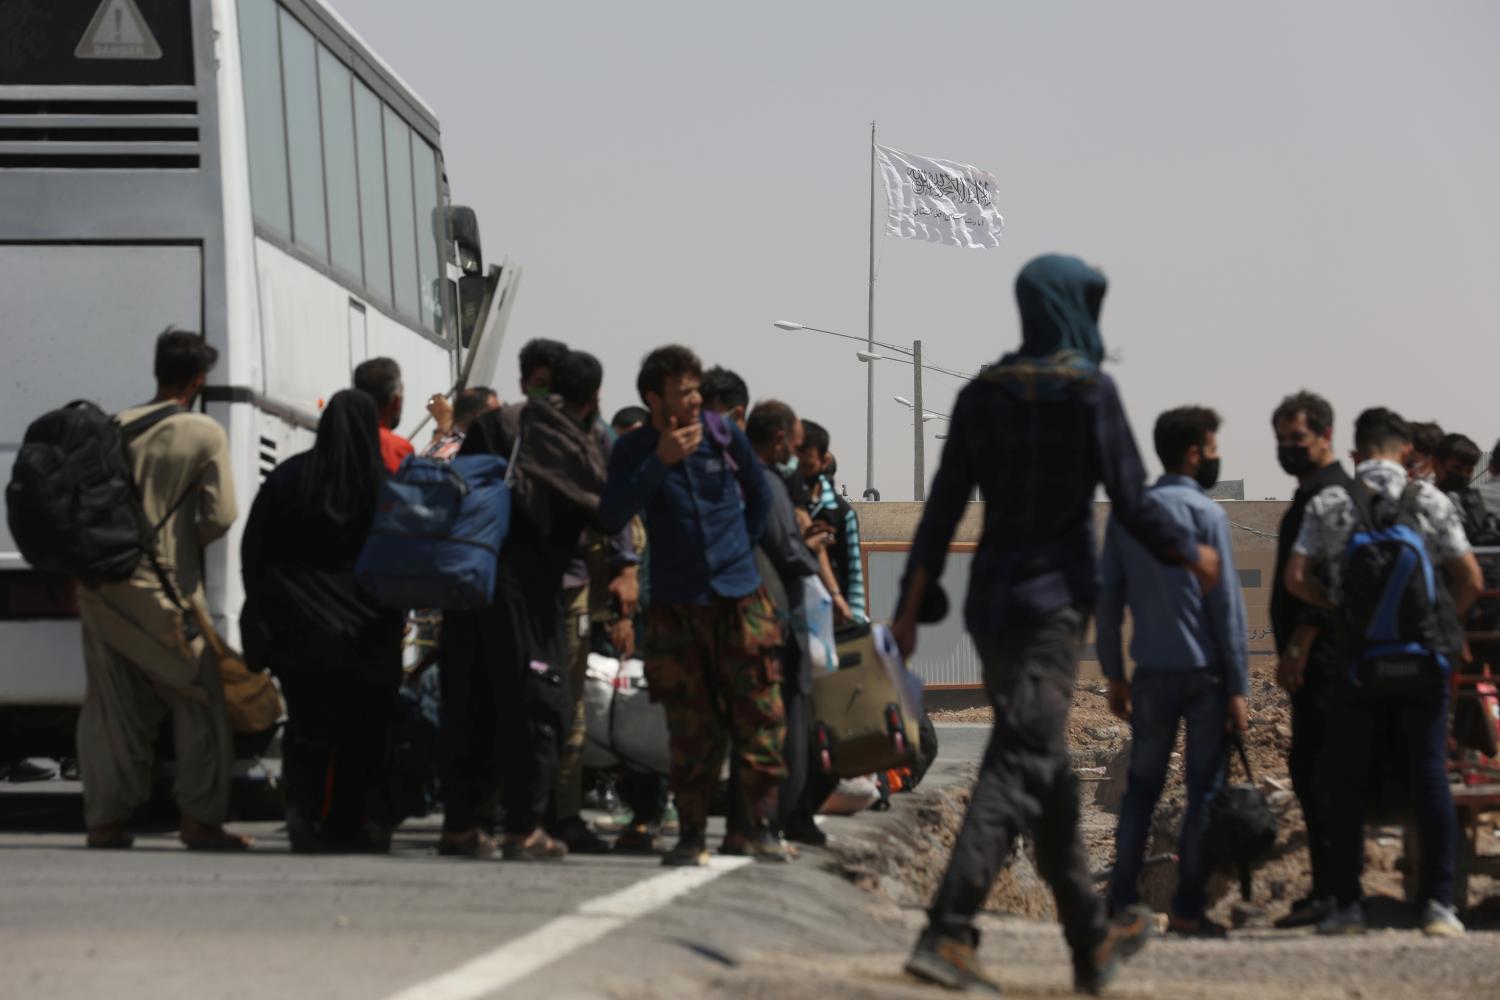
(1305, 639)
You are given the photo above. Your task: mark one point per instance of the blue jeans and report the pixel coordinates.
(1159, 698)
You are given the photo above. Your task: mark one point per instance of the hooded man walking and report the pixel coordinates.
(1037, 433)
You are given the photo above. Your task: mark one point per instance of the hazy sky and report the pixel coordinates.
(1283, 194)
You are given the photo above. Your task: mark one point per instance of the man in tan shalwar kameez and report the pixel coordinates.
(144, 657)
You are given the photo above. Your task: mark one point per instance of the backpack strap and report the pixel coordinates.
(149, 532)
(1407, 507)
(1364, 503)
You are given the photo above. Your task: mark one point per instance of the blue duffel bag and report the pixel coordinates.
(437, 533)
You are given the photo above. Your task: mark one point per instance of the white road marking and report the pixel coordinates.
(519, 958)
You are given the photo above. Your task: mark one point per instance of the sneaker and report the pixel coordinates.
(24, 770)
(615, 822)
(1306, 912)
(1202, 928)
(575, 833)
(636, 840)
(1343, 920)
(475, 844)
(950, 963)
(807, 832)
(1128, 933)
(691, 851)
(1441, 921)
(765, 844)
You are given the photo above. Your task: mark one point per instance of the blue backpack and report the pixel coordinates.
(1400, 619)
(437, 534)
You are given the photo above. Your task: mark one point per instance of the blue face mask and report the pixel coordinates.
(787, 468)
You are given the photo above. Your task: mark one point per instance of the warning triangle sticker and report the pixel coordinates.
(118, 31)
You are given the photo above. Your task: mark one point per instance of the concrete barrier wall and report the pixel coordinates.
(946, 658)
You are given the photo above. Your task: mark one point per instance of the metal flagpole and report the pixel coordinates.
(870, 492)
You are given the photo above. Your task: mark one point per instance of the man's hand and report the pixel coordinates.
(626, 589)
(441, 409)
(817, 540)
(622, 636)
(679, 442)
(842, 613)
(1239, 715)
(904, 631)
(1291, 669)
(1119, 700)
(1208, 568)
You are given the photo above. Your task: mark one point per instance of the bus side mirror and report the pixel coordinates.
(464, 225)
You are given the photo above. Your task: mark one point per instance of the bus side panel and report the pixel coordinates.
(310, 353)
(81, 323)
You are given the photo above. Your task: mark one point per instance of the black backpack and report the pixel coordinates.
(72, 502)
(1482, 527)
(1398, 618)
(1241, 825)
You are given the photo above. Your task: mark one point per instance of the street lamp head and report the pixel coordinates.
(867, 357)
(786, 324)
(905, 402)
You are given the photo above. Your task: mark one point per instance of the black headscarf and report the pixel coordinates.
(342, 473)
(1059, 298)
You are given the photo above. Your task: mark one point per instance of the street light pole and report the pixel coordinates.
(870, 493)
(918, 423)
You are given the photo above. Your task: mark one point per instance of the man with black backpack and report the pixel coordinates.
(1384, 546)
(143, 649)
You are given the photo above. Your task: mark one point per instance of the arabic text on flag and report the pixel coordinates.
(939, 201)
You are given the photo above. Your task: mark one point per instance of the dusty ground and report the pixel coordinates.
(902, 864)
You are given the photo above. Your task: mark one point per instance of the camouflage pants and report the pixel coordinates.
(716, 671)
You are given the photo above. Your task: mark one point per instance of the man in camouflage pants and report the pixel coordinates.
(712, 634)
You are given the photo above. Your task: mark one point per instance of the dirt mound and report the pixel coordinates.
(908, 868)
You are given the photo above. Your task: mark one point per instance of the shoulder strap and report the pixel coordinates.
(140, 425)
(149, 532)
(1408, 505)
(1364, 502)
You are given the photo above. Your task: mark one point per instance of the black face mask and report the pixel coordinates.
(1454, 484)
(1208, 472)
(1294, 459)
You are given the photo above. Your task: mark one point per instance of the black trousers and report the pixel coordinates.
(505, 708)
(1306, 762)
(336, 748)
(1026, 785)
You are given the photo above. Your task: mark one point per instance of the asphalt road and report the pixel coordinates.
(158, 921)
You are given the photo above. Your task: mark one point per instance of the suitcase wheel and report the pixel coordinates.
(899, 741)
(825, 760)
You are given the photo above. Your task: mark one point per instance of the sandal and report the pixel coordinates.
(537, 847)
(109, 838)
(219, 842)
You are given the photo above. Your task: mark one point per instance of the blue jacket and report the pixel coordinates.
(704, 516)
(1176, 626)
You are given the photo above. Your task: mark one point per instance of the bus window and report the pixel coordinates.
(334, 89)
(430, 223)
(266, 137)
(403, 225)
(375, 229)
(303, 135)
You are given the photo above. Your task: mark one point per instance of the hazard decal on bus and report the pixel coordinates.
(118, 31)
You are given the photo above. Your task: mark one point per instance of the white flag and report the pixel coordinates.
(939, 201)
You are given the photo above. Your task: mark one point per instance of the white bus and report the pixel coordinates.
(247, 168)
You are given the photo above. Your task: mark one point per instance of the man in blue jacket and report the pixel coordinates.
(712, 637)
(1190, 665)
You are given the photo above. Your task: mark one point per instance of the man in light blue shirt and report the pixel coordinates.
(1190, 656)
